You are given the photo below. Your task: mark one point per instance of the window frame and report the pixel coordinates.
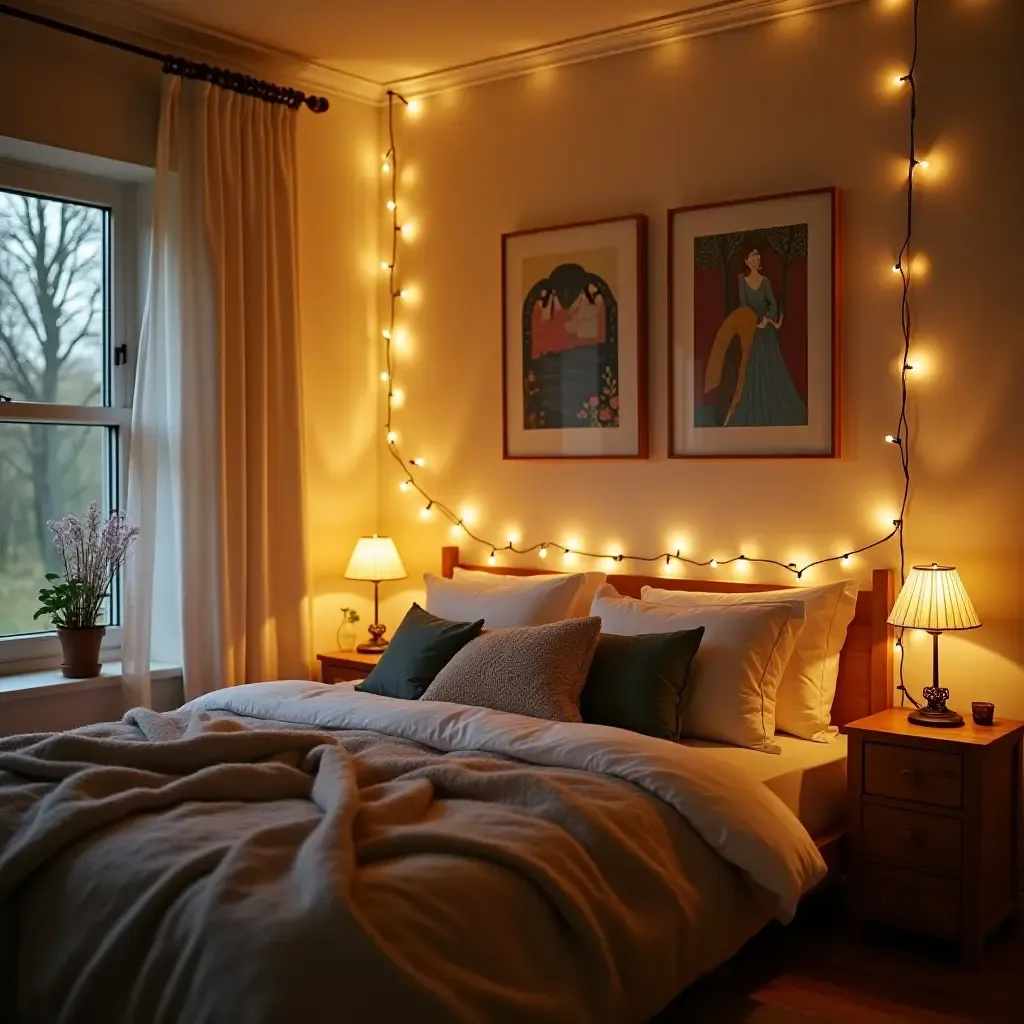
(122, 199)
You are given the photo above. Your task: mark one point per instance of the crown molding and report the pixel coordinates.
(140, 25)
(710, 18)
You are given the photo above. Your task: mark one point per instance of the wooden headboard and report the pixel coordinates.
(865, 663)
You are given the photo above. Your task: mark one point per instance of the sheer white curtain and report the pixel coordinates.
(218, 582)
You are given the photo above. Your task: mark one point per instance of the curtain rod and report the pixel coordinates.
(182, 67)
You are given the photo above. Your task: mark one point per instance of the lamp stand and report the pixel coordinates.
(935, 713)
(376, 644)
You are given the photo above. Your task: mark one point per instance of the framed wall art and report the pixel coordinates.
(753, 328)
(575, 341)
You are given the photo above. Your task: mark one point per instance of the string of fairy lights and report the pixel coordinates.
(461, 528)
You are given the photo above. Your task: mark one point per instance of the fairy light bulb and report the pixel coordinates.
(491, 560)
(398, 397)
(713, 563)
(405, 485)
(897, 269)
(456, 530)
(392, 436)
(385, 167)
(403, 294)
(846, 559)
(427, 511)
(421, 462)
(543, 551)
(391, 205)
(386, 334)
(384, 375)
(415, 107)
(384, 265)
(890, 439)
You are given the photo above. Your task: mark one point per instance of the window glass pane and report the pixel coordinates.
(54, 301)
(46, 471)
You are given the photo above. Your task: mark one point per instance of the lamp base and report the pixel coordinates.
(944, 719)
(376, 644)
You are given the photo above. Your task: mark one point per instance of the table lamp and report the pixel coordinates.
(934, 599)
(375, 559)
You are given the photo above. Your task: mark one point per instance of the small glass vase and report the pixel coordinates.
(346, 636)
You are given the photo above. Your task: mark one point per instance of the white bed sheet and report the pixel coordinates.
(808, 777)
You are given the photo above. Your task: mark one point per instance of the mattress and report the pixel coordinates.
(809, 778)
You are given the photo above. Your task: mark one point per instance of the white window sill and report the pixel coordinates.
(51, 681)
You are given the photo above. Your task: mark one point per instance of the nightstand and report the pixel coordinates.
(934, 818)
(346, 666)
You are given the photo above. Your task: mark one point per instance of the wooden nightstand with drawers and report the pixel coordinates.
(346, 666)
(934, 819)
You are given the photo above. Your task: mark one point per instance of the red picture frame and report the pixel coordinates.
(679, 430)
(632, 406)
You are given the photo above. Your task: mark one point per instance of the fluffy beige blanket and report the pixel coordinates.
(292, 852)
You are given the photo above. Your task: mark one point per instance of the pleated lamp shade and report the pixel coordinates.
(934, 598)
(375, 558)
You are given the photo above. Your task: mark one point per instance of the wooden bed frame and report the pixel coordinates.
(865, 678)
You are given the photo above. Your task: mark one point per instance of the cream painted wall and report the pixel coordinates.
(788, 105)
(60, 91)
(338, 228)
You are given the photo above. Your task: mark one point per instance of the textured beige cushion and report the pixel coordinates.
(536, 670)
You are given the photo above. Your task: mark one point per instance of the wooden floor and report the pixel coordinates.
(812, 972)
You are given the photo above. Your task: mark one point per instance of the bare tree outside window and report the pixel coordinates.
(54, 338)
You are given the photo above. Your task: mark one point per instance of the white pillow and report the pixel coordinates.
(580, 607)
(502, 606)
(731, 693)
(808, 688)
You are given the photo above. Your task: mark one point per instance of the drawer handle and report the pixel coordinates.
(908, 773)
(907, 836)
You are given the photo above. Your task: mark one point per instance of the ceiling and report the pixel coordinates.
(389, 40)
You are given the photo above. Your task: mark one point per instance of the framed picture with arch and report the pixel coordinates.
(574, 341)
(753, 295)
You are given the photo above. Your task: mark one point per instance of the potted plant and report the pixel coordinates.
(90, 555)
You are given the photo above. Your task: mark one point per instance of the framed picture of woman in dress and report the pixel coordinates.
(753, 328)
(575, 341)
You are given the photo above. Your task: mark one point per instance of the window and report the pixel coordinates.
(67, 287)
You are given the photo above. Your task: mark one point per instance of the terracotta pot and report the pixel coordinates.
(81, 649)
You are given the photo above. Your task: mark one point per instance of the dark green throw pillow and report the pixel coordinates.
(637, 682)
(422, 645)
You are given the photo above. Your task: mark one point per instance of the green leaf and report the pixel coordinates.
(52, 576)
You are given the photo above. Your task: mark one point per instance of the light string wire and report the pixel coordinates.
(900, 440)
(904, 264)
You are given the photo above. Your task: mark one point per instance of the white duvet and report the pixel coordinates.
(285, 852)
(741, 820)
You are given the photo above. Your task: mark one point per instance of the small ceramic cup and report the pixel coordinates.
(983, 711)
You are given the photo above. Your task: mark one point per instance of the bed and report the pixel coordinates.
(864, 686)
(288, 850)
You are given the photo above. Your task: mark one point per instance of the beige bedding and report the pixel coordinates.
(291, 852)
